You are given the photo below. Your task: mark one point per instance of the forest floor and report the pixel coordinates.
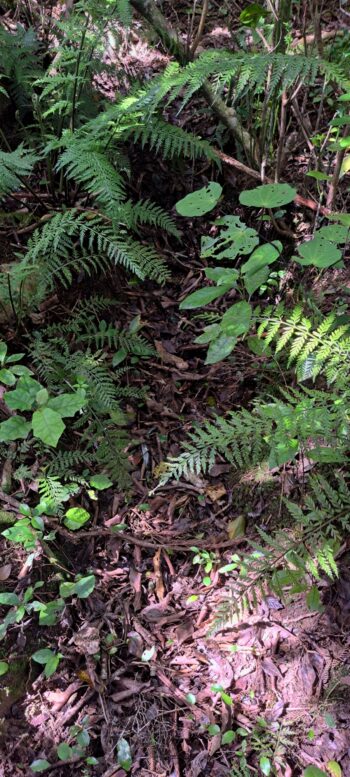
(174, 669)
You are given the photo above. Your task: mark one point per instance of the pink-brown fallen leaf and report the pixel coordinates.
(160, 590)
(170, 358)
(5, 572)
(59, 698)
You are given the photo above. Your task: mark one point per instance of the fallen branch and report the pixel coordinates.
(298, 199)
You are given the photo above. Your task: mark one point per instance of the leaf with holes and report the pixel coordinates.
(235, 238)
(270, 195)
(200, 202)
(336, 233)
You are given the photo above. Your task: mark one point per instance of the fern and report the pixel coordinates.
(313, 421)
(325, 348)
(14, 167)
(168, 139)
(124, 12)
(89, 166)
(246, 71)
(103, 334)
(53, 492)
(286, 563)
(71, 243)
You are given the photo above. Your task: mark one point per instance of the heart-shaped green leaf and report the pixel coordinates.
(200, 202)
(24, 395)
(319, 253)
(67, 405)
(270, 195)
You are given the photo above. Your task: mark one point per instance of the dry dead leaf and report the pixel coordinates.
(216, 492)
(170, 358)
(236, 528)
(87, 640)
(5, 572)
(160, 590)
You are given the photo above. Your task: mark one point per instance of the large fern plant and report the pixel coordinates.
(299, 422)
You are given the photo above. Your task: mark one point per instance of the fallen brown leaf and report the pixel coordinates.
(170, 358)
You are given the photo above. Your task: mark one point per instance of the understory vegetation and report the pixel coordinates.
(178, 170)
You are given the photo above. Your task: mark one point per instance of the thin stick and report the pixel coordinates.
(200, 30)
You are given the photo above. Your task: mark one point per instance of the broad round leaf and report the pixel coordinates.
(265, 765)
(15, 428)
(100, 482)
(67, 405)
(9, 599)
(319, 253)
(64, 752)
(200, 202)
(334, 768)
(43, 656)
(4, 667)
(236, 320)
(336, 233)
(76, 517)
(314, 771)
(228, 737)
(254, 281)
(7, 377)
(39, 765)
(47, 426)
(270, 195)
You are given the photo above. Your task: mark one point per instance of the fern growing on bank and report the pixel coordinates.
(292, 561)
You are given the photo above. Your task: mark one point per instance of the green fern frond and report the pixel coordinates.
(71, 243)
(146, 212)
(328, 344)
(89, 166)
(14, 166)
(168, 139)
